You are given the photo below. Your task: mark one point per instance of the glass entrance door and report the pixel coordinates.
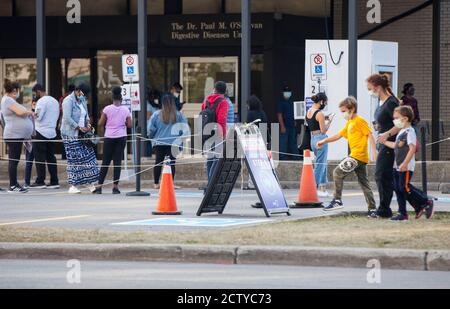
(198, 76)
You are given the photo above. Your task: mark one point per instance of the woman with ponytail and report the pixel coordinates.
(379, 87)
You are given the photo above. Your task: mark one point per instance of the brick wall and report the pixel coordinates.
(414, 35)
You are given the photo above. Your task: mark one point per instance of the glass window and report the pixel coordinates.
(162, 73)
(257, 66)
(199, 76)
(23, 72)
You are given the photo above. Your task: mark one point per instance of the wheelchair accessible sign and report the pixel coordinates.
(130, 68)
(318, 67)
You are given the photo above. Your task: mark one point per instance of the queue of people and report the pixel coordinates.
(394, 150)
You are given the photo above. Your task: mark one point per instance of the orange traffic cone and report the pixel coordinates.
(308, 197)
(167, 203)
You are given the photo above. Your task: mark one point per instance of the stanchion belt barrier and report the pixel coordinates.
(226, 174)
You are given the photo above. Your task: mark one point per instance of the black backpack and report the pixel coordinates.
(207, 116)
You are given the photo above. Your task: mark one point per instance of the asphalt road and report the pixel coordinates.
(47, 208)
(53, 274)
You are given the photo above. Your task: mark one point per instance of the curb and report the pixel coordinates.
(240, 255)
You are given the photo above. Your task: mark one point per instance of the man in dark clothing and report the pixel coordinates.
(409, 100)
(220, 90)
(288, 132)
(176, 92)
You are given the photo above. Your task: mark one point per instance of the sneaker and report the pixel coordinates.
(384, 214)
(38, 186)
(116, 191)
(420, 212)
(321, 193)
(25, 186)
(429, 210)
(17, 189)
(400, 217)
(156, 187)
(97, 191)
(177, 187)
(2, 190)
(372, 214)
(74, 190)
(92, 188)
(334, 205)
(54, 187)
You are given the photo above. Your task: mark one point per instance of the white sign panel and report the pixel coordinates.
(131, 97)
(318, 67)
(130, 68)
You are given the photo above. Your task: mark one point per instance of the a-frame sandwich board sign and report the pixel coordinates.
(247, 142)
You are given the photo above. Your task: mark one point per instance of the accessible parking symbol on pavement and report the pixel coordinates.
(192, 222)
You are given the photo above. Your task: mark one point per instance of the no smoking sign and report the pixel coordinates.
(318, 59)
(130, 60)
(318, 67)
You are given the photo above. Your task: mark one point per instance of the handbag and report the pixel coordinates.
(90, 139)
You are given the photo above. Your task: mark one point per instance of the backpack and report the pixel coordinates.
(208, 116)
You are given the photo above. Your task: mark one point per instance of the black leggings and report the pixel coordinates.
(14, 152)
(161, 152)
(113, 149)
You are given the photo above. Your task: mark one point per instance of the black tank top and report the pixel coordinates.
(313, 124)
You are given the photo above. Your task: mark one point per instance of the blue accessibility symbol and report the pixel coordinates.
(130, 70)
(319, 69)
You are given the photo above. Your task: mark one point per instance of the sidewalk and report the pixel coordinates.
(245, 255)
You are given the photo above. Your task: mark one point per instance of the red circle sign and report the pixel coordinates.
(318, 59)
(130, 60)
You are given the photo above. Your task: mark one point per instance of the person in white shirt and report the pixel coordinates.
(47, 115)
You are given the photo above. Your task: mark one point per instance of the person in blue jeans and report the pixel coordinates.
(318, 125)
(28, 168)
(288, 132)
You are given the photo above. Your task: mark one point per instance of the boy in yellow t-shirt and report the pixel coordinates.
(358, 134)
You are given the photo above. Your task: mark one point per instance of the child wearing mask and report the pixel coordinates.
(405, 150)
(358, 134)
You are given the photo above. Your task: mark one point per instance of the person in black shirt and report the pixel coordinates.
(379, 87)
(255, 110)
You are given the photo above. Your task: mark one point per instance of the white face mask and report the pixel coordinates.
(373, 94)
(156, 101)
(346, 115)
(399, 123)
(287, 95)
(18, 95)
(176, 95)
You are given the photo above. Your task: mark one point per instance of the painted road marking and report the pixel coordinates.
(193, 222)
(444, 199)
(44, 220)
(188, 194)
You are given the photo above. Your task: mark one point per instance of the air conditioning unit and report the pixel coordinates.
(299, 110)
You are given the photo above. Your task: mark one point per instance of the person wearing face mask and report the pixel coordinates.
(359, 135)
(405, 162)
(47, 115)
(288, 133)
(18, 128)
(319, 126)
(153, 105)
(379, 87)
(82, 166)
(176, 92)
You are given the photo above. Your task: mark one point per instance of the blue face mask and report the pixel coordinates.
(82, 98)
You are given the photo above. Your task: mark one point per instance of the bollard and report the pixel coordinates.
(424, 160)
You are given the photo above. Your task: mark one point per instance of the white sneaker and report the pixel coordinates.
(74, 190)
(322, 193)
(92, 188)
